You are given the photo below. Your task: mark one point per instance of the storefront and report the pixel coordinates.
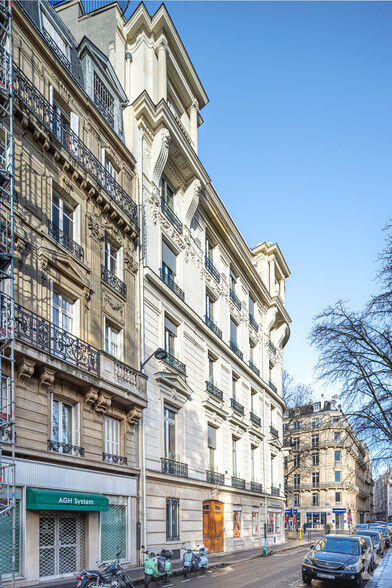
(316, 520)
(275, 528)
(339, 518)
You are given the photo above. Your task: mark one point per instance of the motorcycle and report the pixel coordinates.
(157, 565)
(114, 576)
(195, 559)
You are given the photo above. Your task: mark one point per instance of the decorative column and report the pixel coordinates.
(193, 114)
(128, 61)
(272, 277)
(162, 70)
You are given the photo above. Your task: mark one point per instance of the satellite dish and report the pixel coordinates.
(160, 354)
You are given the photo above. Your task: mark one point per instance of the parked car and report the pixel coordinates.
(337, 557)
(360, 526)
(385, 532)
(372, 549)
(378, 539)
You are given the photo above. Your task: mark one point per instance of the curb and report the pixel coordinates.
(374, 580)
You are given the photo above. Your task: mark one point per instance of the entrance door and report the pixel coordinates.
(213, 526)
(339, 521)
(61, 543)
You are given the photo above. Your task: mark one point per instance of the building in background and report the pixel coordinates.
(79, 394)
(213, 426)
(382, 510)
(328, 470)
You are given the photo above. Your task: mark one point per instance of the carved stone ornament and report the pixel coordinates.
(103, 403)
(215, 493)
(46, 379)
(191, 200)
(160, 153)
(130, 262)
(90, 396)
(114, 305)
(25, 370)
(134, 415)
(96, 224)
(87, 293)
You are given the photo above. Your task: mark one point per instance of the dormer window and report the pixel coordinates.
(103, 100)
(316, 407)
(56, 41)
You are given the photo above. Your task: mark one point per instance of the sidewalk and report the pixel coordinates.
(382, 577)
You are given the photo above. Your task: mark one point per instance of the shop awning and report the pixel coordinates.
(41, 499)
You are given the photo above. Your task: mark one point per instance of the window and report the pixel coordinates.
(315, 498)
(237, 512)
(234, 456)
(65, 426)
(103, 99)
(337, 436)
(315, 440)
(63, 312)
(233, 331)
(315, 423)
(168, 194)
(315, 459)
(273, 521)
(337, 476)
(211, 366)
(316, 407)
(315, 479)
(297, 425)
(255, 520)
(211, 447)
(232, 280)
(252, 463)
(172, 519)
(252, 347)
(296, 444)
(251, 307)
(209, 306)
(335, 420)
(169, 259)
(297, 500)
(234, 380)
(112, 436)
(62, 215)
(296, 461)
(55, 35)
(114, 528)
(337, 455)
(296, 480)
(113, 341)
(170, 337)
(338, 497)
(169, 432)
(209, 248)
(253, 396)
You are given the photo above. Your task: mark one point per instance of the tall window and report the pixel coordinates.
(168, 194)
(113, 341)
(337, 455)
(315, 498)
(63, 312)
(170, 337)
(172, 519)
(337, 476)
(233, 280)
(234, 456)
(296, 444)
(209, 306)
(315, 423)
(55, 35)
(252, 348)
(255, 520)
(169, 259)
(112, 436)
(296, 461)
(112, 258)
(251, 307)
(253, 395)
(64, 426)
(237, 512)
(315, 479)
(252, 463)
(103, 99)
(297, 501)
(62, 215)
(209, 248)
(169, 431)
(336, 436)
(233, 331)
(315, 440)
(338, 497)
(296, 480)
(315, 459)
(234, 381)
(211, 362)
(211, 447)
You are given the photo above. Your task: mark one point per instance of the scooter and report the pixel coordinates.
(265, 552)
(157, 565)
(114, 576)
(195, 559)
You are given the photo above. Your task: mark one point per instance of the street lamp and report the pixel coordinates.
(158, 354)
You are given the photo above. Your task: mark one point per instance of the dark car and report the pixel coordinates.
(378, 539)
(337, 557)
(385, 532)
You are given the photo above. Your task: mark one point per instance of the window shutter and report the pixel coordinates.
(104, 334)
(51, 94)
(75, 123)
(121, 345)
(76, 224)
(211, 437)
(120, 263)
(76, 317)
(103, 157)
(51, 300)
(76, 425)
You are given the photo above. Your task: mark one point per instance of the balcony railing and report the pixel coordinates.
(234, 298)
(253, 323)
(65, 240)
(233, 347)
(65, 448)
(109, 458)
(65, 62)
(238, 483)
(256, 487)
(237, 406)
(255, 419)
(103, 109)
(171, 216)
(44, 335)
(211, 268)
(274, 432)
(210, 323)
(273, 387)
(113, 281)
(271, 346)
(172, 285)
(254, 368)
(215, 478)
(275, 492)
(175, 468)
(211, 389)
(175, 363)
(61, 132)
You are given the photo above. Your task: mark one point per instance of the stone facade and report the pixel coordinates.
(382, 510)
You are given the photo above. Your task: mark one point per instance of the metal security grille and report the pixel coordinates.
(114, 532)
(6, 541)
(61, 543)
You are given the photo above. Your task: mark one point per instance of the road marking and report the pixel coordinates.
(203, 576)
(182, 581)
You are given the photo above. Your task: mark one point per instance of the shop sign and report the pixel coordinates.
(339, 510)
(42, 499)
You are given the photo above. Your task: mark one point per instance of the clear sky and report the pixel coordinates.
(297, 139)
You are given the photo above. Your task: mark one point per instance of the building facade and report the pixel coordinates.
(328, 471)
(213, 426)
(79, 394)
(382, 510)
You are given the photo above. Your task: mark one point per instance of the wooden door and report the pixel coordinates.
(213, 526)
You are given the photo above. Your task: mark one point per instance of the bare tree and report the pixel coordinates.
(294, 393)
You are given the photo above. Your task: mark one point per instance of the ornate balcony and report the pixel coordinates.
(175, 468)
(210, 323)
(254, 368)
(65, 62)
(234, 298)
(237, 406)
(171, 216)
(44, 335)
(255, 419)
(271, 346)
(273, 387)
(117, 459)
(253, 323)
(214, 391)
(113, 281)
(274, 432)
(275, 492)
(172, 285)
(238, 483)
(215, 478)
(176, 364)
(65, 448)
(256, 487)
(233, 347)
(61, 132)
(65, 240)
(211, 268)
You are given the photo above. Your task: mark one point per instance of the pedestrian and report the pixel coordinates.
(327, 529)
(304, 527)
(297, 527)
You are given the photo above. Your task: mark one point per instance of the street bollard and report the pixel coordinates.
(300, 533)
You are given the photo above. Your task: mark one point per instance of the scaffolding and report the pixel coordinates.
(8, 514)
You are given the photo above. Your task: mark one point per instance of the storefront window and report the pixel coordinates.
(114, 529)
(255, 521)
(273, 522)
(6, 540)
(236, 521)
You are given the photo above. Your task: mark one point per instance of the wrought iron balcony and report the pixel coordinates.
(273, 387)
(233, 347)
(237, 406)
(44, 335)
(172, 285)
(65, 240)
(211, 268)
(255, 419)
(175, 363)
(254, 368)
(65, 448)
(65, 62)
(103, 109)
(214, 390)
(271, 346)
(175, 468)
(256, 487)
(238, 483)
(210, 323)
(109, 458)
(113, 281)
(253, 323)
(234, 298)
(215, 478)
(61, 132)
(274, 432)
(275, 492)
(171, 216)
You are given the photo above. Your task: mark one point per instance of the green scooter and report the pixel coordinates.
(157, 565)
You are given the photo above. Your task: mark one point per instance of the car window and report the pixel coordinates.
(338, 545)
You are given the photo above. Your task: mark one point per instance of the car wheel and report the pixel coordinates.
(306, 579)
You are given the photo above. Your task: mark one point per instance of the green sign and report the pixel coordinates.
(41, 499)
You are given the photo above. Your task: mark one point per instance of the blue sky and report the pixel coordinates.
(297, 139)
